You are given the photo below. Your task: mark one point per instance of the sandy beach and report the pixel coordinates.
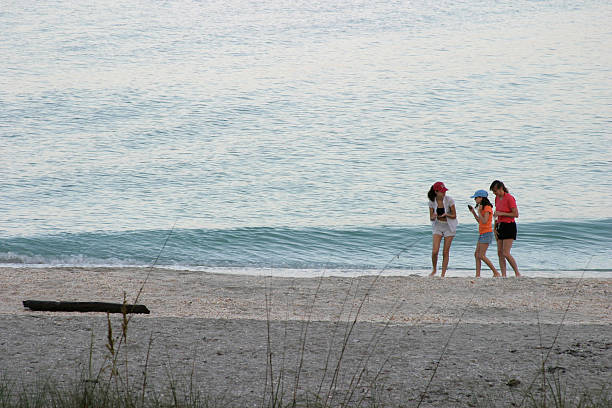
(485, 339)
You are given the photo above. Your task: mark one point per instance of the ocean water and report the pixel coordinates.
(300, 137)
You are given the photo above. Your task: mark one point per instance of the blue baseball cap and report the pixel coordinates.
(480, 193)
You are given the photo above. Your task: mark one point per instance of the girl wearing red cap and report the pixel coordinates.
(444, 222)
(505, 226)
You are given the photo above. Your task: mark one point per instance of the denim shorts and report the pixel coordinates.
(485, 238)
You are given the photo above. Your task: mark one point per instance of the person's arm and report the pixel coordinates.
(514, 213)
(485, 217)
(494, 222)
(452, 214)
(432, 215)
(474, 213)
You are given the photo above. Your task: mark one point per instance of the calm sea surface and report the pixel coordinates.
(301, 136)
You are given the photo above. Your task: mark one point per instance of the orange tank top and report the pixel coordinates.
(488, 226)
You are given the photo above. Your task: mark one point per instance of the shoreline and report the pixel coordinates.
(218, 327)
(315, 273)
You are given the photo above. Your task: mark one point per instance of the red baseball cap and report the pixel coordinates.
(439, 186)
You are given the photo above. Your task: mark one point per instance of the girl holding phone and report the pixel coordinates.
(443, 219)
(484, 218)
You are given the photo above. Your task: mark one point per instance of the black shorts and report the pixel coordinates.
(506, 230)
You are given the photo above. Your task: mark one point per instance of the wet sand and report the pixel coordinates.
(386, 336)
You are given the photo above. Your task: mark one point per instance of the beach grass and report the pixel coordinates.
(45, 393)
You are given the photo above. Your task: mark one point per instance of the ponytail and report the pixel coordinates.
(484, 202)
(431, 194)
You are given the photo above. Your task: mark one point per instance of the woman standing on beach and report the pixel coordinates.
(484, 218)
(505, 214)
(444, 222)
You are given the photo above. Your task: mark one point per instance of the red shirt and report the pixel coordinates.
(505, 204)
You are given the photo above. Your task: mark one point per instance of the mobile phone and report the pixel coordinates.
(470, 207)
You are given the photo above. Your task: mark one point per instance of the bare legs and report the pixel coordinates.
(446, 254)
(503, 252)
(434, 253)
(437, 239)
(481, 255)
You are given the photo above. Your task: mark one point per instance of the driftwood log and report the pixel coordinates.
(51, 306)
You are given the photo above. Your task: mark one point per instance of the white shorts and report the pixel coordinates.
(442, 228)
